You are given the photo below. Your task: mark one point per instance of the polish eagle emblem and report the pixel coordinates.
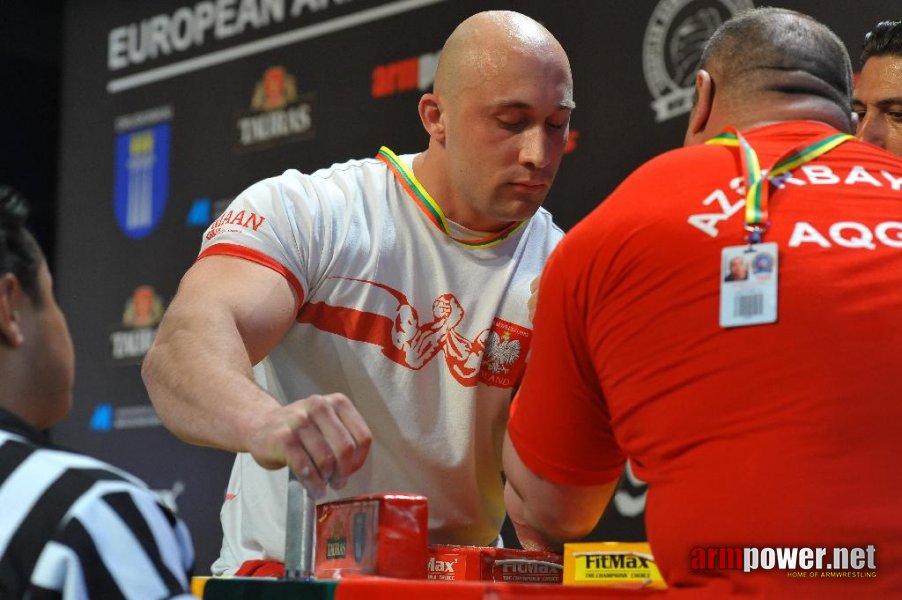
(501, 352)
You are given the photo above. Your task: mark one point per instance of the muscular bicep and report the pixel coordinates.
(238, 295)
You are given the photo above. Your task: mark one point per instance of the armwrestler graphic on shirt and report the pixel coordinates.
(418, 343)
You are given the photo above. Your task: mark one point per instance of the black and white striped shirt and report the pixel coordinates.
(74, 527)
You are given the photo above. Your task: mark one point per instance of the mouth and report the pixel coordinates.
(531, 186)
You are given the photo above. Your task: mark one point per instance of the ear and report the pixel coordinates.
(11, 299)
(701, 112)
(430, 109)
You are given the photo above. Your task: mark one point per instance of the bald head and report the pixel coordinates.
(780, 53)
(480, 47)
(498, 120)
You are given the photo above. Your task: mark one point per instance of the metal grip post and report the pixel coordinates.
(300, 529)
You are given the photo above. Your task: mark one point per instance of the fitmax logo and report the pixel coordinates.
(440, 566)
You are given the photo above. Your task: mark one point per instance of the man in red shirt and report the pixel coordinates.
(763, 413)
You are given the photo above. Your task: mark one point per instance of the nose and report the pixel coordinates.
(536, 150)
(871, 129)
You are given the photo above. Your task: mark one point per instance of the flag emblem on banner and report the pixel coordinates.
(142, 179)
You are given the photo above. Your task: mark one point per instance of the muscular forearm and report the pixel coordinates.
(200, 380)
(549, 513)
(228, 315)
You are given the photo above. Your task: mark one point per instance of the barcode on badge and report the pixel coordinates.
(748, 305)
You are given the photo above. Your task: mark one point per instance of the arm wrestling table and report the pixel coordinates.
(362, 587)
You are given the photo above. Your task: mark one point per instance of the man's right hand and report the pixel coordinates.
(322, 439)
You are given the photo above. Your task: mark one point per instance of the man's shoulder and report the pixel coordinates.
(351, 183)
(348, 179)
(696, 160)
(351, 168)
(650, 193)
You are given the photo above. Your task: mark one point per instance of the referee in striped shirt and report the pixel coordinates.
(70, 526)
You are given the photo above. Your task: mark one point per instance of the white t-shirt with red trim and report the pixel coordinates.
(425, 334)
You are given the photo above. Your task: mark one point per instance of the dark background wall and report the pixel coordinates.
(31, 34)
(68, 136)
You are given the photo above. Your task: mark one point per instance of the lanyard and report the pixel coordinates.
(433, 211)
(756, 200)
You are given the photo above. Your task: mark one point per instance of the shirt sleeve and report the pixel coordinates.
(117, 541)
(286, 223)
(559, 422)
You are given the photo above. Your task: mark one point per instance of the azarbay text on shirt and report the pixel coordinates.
(845, 234)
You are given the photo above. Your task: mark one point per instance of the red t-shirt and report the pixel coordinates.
(786, 434)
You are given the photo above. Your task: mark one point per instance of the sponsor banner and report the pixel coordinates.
(203, 210)
(278, 115)
(107, 417)
(406, 75)
(170, 34)
(170, 45)
(130, 340)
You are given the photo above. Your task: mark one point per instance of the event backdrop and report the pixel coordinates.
(172, 107)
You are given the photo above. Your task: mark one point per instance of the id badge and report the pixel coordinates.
(748, 285)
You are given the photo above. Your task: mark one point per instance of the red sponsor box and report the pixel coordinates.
(507, 565)
(379, 534)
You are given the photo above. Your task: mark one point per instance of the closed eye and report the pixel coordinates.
(518, 125)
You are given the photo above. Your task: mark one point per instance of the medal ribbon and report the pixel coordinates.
(757, 183)
(431, 208)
